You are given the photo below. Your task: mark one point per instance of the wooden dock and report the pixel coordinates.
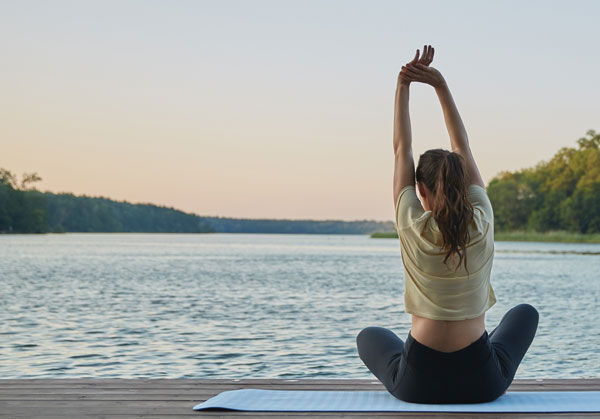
(169, 398)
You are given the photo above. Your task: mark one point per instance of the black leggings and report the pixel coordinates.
(480, 372)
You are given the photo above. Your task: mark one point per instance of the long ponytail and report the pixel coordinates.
(443, 172)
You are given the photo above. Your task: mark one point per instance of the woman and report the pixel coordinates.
(447, 245)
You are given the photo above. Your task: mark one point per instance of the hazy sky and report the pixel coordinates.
(281, 109)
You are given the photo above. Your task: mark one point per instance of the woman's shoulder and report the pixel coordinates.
(482, 206)
(408, 208)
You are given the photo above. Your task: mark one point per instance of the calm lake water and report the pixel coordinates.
(257, 305)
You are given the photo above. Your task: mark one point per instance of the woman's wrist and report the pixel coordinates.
(403, 84)
(402, 81)
(441, 85)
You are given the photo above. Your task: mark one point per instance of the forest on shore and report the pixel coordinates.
(562, 194)
(559, 195)
(23, 209)
(556, 200)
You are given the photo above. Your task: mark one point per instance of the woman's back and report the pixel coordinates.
(447, 335)
(447, 304)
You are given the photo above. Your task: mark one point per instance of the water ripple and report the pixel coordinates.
(249, 306)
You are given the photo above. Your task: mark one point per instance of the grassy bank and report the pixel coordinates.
(526, 236)
(380, 235)
(548, 236)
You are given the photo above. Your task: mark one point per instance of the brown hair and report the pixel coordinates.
(443, 172)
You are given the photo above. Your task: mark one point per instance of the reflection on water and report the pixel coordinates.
(254, 305)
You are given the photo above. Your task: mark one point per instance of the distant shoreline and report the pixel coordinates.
(515, 236)
(525, 236)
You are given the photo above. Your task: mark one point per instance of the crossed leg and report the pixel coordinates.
(381, 349)
(513, 336)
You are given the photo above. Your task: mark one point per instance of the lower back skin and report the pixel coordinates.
(447, 335)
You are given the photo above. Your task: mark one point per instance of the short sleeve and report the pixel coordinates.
(479, 199)
(408, 207)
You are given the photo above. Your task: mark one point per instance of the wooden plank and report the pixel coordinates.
(139, 398)
(193, 384)
(137, 394)
(145, 381)
(190, 381)
(186, 381)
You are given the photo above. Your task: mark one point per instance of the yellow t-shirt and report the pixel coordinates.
(431, 288)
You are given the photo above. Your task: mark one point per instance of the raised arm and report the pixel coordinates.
(404, 165)
(458, 135)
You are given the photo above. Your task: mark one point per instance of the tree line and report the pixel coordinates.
(560, 194)
(24, 209)
(287, 226)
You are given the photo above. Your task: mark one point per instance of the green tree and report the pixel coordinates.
(560, 194)
(21, 210)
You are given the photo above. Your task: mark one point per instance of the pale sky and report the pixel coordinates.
(281, 109)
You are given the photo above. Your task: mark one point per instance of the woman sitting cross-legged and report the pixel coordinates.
(447, 245)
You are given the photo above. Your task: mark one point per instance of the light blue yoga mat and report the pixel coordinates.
(382, 401)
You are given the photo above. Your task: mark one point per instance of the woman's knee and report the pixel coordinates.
(364, 344)
(522, 310)
(375, 340)
(366, 335)
(528, 311)
(520, 321)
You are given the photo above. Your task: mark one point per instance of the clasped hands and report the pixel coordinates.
(418, 70)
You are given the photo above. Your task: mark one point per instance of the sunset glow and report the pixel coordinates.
(281, 109)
